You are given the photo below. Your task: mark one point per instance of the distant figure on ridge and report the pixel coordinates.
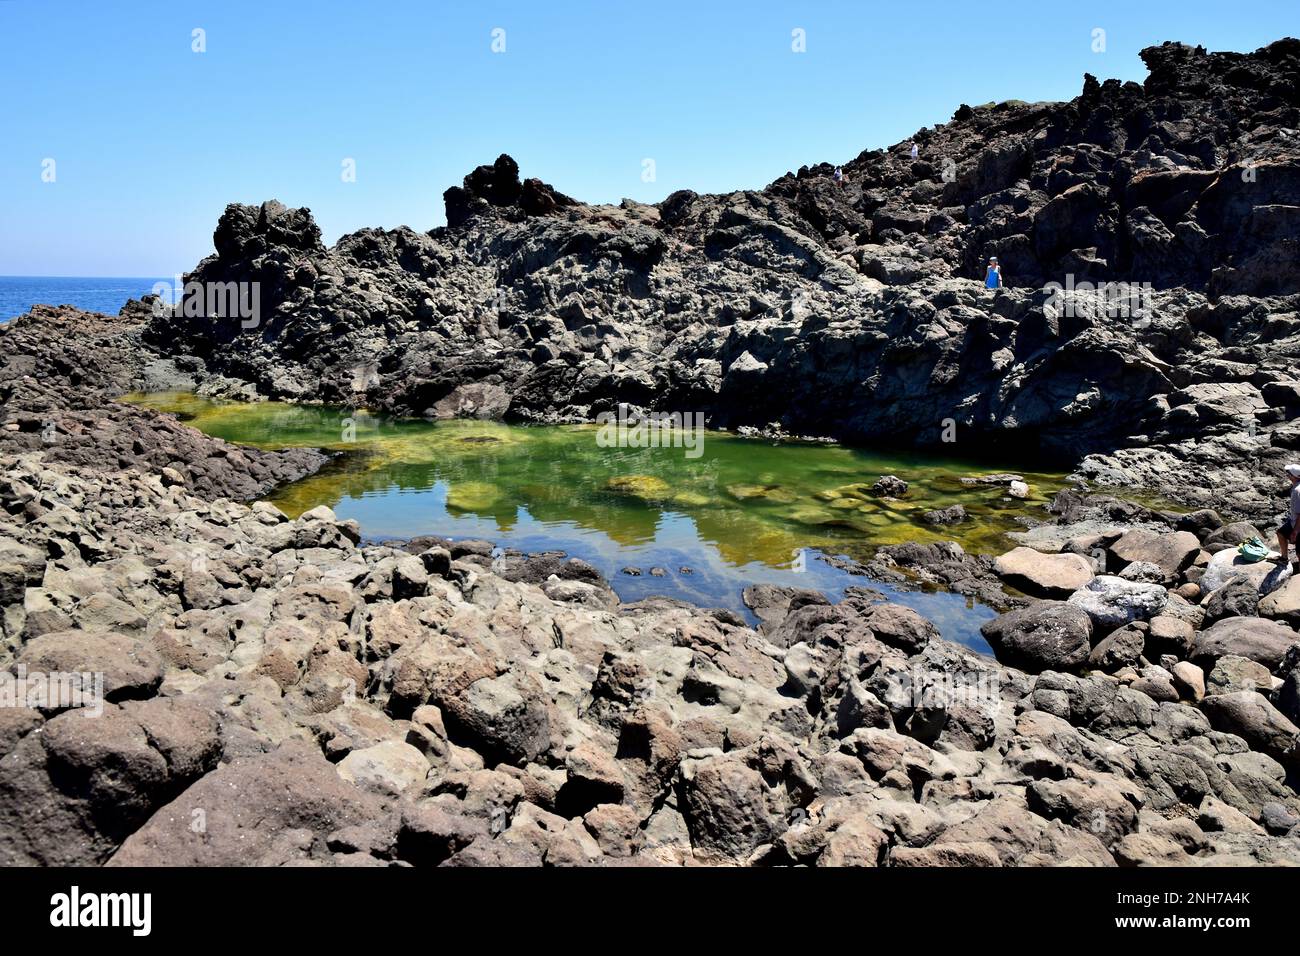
(838, 176)
(1286, 533)
(915, 151)
(993, 278)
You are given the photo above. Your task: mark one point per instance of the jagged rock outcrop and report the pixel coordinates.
(277, 693)
(854, 311)
(61, 370)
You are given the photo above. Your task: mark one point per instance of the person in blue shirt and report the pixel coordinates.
(993, 278)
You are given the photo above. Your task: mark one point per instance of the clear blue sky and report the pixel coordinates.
(151, 139)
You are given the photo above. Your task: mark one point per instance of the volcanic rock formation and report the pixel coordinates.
(314, 699)
(851, 311)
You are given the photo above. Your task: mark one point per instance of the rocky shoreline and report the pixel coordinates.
(278, 692)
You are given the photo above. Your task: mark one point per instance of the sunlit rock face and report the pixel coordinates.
(1147, 237)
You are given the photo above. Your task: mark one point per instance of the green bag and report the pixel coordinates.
(1253, 550)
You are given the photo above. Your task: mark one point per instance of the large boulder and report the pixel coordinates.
(1249, 637)
(1167, 634)
(1171, 552)
(1251, 717)
(265, 810)
(1112, 602)
(72, 791)
(1120, 648)
(729, 807)
(1283, 604)
(1046, 635)
(505, 717)
(130, 667)
(1043, 575)
(899, 626)
(1232, 674)
(1230, 536)
(1266, 576)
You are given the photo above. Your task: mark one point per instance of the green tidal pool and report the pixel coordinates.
(734, 511)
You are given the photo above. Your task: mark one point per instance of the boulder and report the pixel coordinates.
(1251, 717)
(1266, 576)
(1278, 819)
(1168, 635)
(1249, 637)
(1232, 674)
(946, 854)
(899, 626)
(1043, 575)
(1283, 604)
(1189, 679)
(1230, 536)
(1046, 635)
(1144, 572)
(1105, 804)
(410, 578)
(1121, 648)
(729, 808)
(1149, 849)
(264, 810)
(889, 486)
(1172, 552)
(1112, 602)
(389, 767)
(431, 832)
(1215, 816)
(504, 718)
(953, 514)
(1157, 683)
(1237, 598)
(130, 667)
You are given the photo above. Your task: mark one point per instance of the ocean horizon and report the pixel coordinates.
(92, 293)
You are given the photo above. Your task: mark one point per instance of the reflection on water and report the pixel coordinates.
(745, 511)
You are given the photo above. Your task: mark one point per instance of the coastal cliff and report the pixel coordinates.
(280, 691)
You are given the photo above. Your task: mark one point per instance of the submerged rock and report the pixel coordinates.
(646, 487)
(943, 516)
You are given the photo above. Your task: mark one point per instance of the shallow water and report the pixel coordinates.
(744, 511)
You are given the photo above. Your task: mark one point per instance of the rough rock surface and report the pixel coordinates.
(856, 311)
(310, 710)
(61, 370)
(275, 693)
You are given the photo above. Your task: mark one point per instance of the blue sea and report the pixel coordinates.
(94, 294)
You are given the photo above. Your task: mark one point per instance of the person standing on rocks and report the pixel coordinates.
(993, 277)
(1286, 534)
(838, 176)
(916, 151)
